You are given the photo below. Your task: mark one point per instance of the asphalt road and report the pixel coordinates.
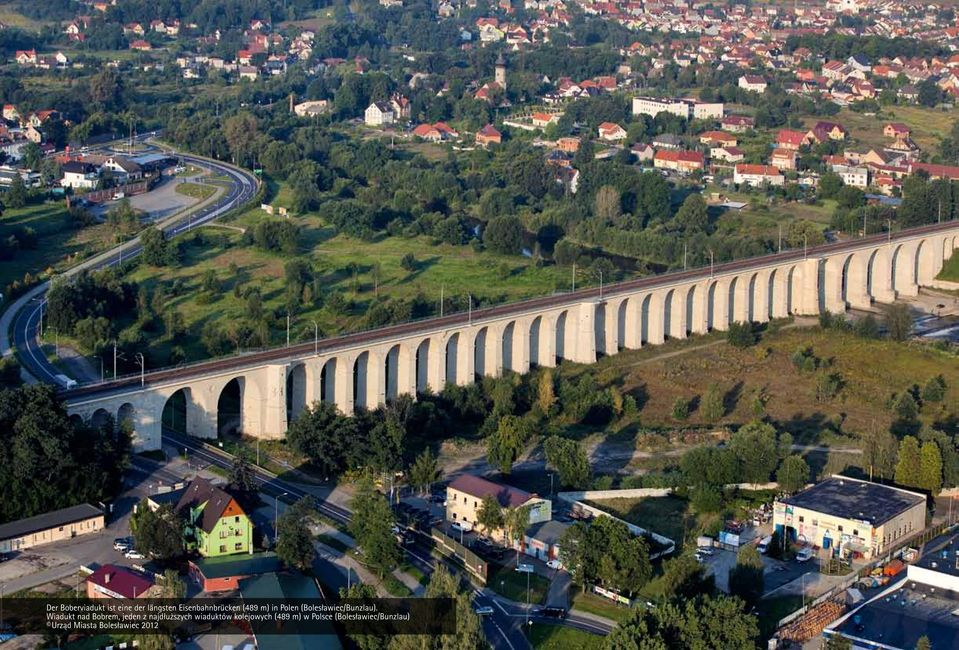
(26, 321)
(503, 628)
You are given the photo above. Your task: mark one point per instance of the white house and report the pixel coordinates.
(757, 175)
(753, 83)
(378, 114)
(854, 176)
(79, 175)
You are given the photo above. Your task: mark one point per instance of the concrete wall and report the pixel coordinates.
(371, 374)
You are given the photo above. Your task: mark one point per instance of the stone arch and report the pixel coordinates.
(731, 300)
(560, 337)
(621, 323)
(535, 338)
(653, 318)
(175, 413)
(668, 313)
(881, 277)
(904, 269)
(832, 283)
(506, 346)
(644, 318)
(711, 305)
(794, 286)
(599, 329)
(422, 364)
(236, 403)
(127, 417)
(750, 302)
(297, 391)
(857, 280)
(76, 421)
(391, 373)
(451, 356)
(361, 381)
(928, 261)
(328, 381)
(692, 294)
(675, 303)
(774, 295)
(479, 352)
(102, 418)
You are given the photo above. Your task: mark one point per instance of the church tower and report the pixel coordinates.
(500, 76)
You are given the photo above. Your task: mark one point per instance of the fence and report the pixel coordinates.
(130, 189)
(451, 548)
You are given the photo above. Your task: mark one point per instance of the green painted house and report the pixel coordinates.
(216, 525)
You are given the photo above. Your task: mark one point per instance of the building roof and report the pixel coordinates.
(121, 580)
(757, 170)
(548, 532)
(237, 565)
(48, 520)
(480, 488)
(848, 498)
(286, 587)
(201, 491)
(77, 167)
(945, 557)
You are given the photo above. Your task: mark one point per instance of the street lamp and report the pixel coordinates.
(143, 365)
(316, 339)
(276, 511)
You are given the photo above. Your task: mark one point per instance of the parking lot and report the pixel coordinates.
(776, 573)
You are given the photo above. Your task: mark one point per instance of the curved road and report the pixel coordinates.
(23, 317)
(132, 382)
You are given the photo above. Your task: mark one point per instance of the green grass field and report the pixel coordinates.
(557, 637)
(667, 516)
(950, 270)
(508, 582)
(196, 190)
(593, 604)
(928, 124)
(59, 244)
(871, 371)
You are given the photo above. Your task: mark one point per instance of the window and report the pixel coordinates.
(464, 501)
(238, 546)
(61, 529)
(855, 532)
(222, 548)
(801, 519)
(839, 528)
(236, 519)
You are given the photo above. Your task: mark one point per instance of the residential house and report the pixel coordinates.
(542, 540)
(737, 123)
(727, 154)
(542, 120)
(854, 176)
(644, 152)
(568, 145)
(465, 494)
(401, 107)
(753, 83)
(823, 131)
(248, 73)
(26, 57)
(118, 582)
(122, 169)
(215, 520)
(214, 574)
(668, 141)
(718, 139)
(948, 172)
(488, 135)
(55, 526)
(757, 175)
(378, 114)
(611, 132)
(79, 175)
(783, 159)
(790, 139)
(311, 108)
(435, 132)
(684, 162)
(10, 113)
(140, 45)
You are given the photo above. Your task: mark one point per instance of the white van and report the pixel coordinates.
(66, 382)
(764, 544)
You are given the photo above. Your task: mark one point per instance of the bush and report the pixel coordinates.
(741, 334)
(934, 390)
(680, 409)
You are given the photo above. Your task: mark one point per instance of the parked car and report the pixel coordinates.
(483, 610)
(464, 526)
(550, 612)
(554, 564)
(804, 554)
(705, 550)
(122, 544)
(134, 554)
(763, 546)
(4, 557)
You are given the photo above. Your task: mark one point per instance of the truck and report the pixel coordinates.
(66, 382)
(764, 543)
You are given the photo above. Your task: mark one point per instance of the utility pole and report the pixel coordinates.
(442, 299)
(316, 339)
(143, 365)
(804, 240)
(574, 277)
(710, 263)
(114, 358)
(287, 329)
(469, 298)
(780, 238)
(600, 285)
(684, 256)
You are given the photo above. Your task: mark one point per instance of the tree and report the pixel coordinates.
(408, 262)
(741, 334)
(684, 579)
(712, 406)
(424, 471)
(866, 327)
(837, 642)
(294, 542)
(607, 204)
(546, 394)
(692, 216)
(680, 409)
(469, 631)
(703, 622)
(604, 551)
(569, 459)
(173, 585)
(905, 407)
(923, 643)
(157, 534)
(506, 444)
(757, 449)
(157, 251)
(934, 390)
(515, 523)
(930, 468)
(830, 183)
(879, 449)
(490, 514)
(909, 467)
(746, 577)
(241, 475)
(793, 474)
(16, 196)
(504, 235)
(324, 436)
(372, 528)
(898, 321)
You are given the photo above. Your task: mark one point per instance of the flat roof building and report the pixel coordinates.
(55, 526)
(851, 518)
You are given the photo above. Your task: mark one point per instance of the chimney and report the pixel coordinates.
(106, 577)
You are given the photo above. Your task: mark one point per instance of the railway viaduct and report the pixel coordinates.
(263, 391)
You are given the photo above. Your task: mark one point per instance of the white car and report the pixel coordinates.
(484, 610)
(463, 526)
(554, 564)
(134, 554)
(804, 554)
